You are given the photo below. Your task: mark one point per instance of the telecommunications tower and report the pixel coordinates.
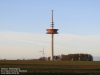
(52, 31)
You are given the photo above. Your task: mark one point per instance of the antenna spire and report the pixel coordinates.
(52, 15)
(52, 23)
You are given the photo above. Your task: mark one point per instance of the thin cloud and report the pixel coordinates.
(63, 43)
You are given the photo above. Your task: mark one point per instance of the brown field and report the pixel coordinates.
(68, 67)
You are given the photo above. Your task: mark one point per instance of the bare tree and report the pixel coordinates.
(90, 57)
(42, 58)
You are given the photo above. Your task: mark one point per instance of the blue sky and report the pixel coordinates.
(23, 25)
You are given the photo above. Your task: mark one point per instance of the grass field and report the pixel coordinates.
(68, 67)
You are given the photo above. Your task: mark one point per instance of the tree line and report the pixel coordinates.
(71, 57)
(77, 57)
